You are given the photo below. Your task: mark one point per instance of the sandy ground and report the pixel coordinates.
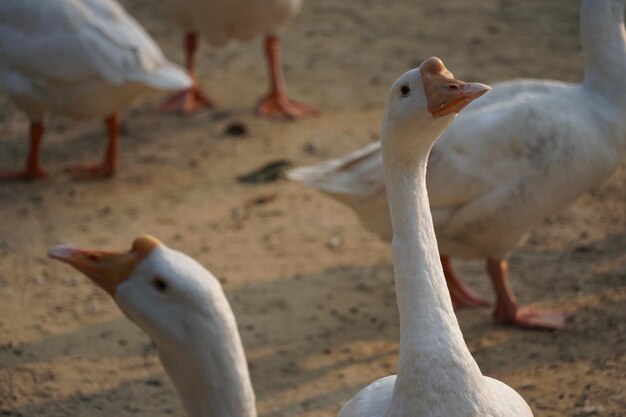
(312, 291)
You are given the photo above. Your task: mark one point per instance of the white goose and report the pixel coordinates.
(220, 21)
(77, 58)
(182, 307)
(523, 152)
(437, 375)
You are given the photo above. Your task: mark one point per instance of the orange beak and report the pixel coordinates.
(445, 94)
(107, 269)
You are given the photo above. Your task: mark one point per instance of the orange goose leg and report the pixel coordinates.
(507, 309)
(33, 169)
(276, 102)
(108, 165)
(462, 296)
(193, 98)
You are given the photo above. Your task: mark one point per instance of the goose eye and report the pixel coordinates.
(159, 284)
(405, 90)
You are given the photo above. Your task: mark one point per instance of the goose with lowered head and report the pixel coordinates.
(523, 152)
(183, 309)
(437, 375)
(77, 58)
(219, 21)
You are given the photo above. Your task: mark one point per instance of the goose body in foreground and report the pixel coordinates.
(523, 152)
(220, 21)
(183, 309)
(77, 58)
(437, 375)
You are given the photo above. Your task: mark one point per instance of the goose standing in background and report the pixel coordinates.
(522, 153)
(437, 375)
(183, 309)
(220, 21)
(77, 58)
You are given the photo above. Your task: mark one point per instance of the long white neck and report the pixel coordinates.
(211, 375)
(604, 46)
(435, 364)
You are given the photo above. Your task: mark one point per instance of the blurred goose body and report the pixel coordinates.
(523, 152)
(437, 375)
(220, 21)
(81, 59)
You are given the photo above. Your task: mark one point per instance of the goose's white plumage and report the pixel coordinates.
(220, 21)
(521, 153)
(437, 375)
(81, 58)
(78, 58)
(375, 400)
(183, 309)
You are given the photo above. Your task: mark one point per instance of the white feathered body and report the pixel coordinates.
(222, 20)
(523, 152)
(507, 165)
(79, 58)
(375, 400)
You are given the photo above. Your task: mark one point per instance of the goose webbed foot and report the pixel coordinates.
(111, 155)
(28, 174)
(509, 311)
(187, 101)
(529, 317)
(277, 105)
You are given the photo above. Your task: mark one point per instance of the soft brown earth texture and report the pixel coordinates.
(313, 292)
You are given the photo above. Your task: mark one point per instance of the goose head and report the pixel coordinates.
(423, 102)
(183, 309)
(165, 292)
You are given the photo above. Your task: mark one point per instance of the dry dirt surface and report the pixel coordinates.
(313, 292)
